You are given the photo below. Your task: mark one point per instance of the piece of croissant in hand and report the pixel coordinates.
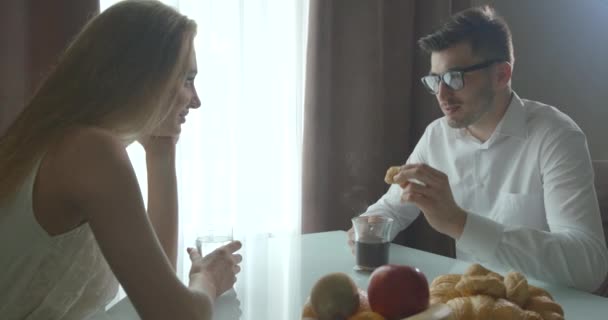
(393, 171)
(390, 174)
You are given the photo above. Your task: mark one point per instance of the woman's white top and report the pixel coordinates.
(48, 277)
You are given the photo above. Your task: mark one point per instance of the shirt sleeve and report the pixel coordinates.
(573, 252)
(390, 204)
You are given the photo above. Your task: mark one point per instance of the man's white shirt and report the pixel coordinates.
(528, 191)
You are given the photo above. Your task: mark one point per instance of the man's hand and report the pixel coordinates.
(429, 189)
(351, 239)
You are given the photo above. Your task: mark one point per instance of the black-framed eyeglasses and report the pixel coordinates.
(453, 78)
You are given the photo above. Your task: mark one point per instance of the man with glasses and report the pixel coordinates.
(509, 179)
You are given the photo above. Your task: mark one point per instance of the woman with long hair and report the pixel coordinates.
(72, 219)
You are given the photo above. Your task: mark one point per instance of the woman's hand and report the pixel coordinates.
(158, 144)
(218, 268)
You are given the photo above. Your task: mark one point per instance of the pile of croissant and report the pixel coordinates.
(480, 293)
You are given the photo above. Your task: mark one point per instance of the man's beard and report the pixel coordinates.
(485, 101)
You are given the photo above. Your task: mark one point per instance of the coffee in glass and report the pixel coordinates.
(372, 241)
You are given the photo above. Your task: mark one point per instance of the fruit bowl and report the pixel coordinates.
(437, 311)
(395, 292)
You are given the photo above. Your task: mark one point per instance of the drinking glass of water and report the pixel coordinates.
(372, 240)
(212, 238)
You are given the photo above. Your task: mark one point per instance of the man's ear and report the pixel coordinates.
(504, 71)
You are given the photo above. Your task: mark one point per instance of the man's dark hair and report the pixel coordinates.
(486, 32)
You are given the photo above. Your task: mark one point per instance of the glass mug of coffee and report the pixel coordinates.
(372, 241)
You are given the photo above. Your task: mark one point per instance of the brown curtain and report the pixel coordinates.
(365, 108)
(33, 33)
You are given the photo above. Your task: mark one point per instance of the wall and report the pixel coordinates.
(12, 59)
(561, 50)
(561, 58)
(33, 33)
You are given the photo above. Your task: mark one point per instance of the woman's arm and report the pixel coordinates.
(98, 177)
(162, 192)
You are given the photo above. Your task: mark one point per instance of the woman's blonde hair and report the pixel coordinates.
(121, 73)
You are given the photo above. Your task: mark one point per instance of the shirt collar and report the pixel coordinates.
(513, 122)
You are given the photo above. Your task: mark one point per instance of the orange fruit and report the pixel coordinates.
(363, 301)
(366, 315)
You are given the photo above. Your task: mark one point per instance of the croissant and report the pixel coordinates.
(478, 270)
(531, 315)
(483, 294)
(462, 308)
(486, 285)
(551, 316)
(483, 306)
(446, 280)
(390, 173)
(505, 309)
(544, 305)
(536, 291)
(517, 288)
(442, 288)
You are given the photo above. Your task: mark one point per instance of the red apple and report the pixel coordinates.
(398, 291)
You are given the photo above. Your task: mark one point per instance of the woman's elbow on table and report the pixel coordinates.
(195, 306)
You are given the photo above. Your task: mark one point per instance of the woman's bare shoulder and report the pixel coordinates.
(75, 171)
(90, 139)
(88, 157)
(91, 144)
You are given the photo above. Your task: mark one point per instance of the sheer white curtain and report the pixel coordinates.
(239, 155)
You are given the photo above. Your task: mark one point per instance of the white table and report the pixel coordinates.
(278, 274)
